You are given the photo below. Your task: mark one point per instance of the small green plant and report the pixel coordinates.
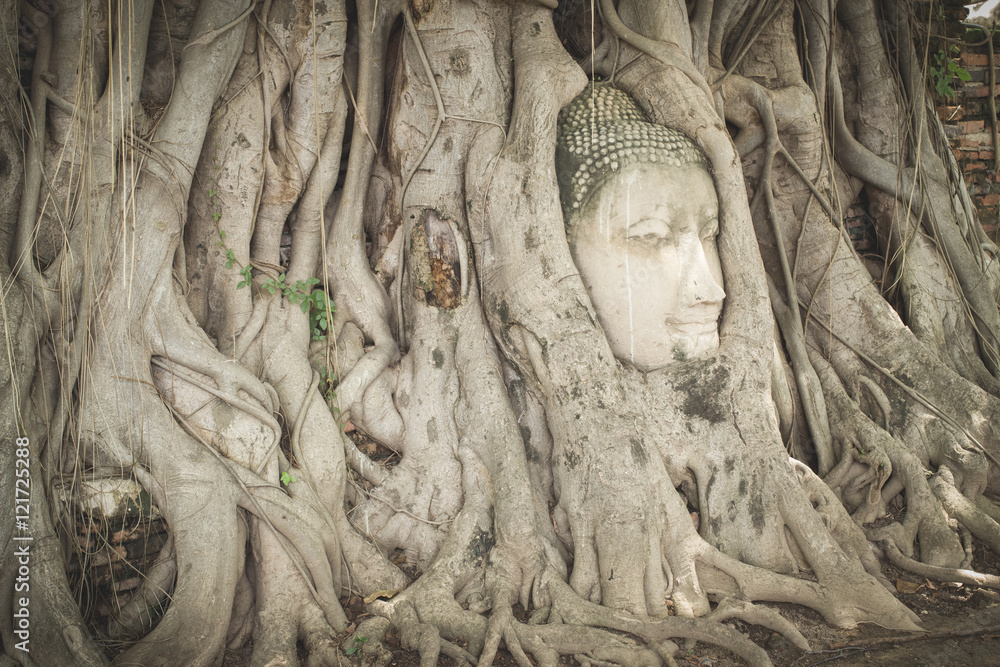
(303, 294)
(286, 478)
(945, 70)
(246, 273)
(215, 210)
(327, 382)
(358, 641)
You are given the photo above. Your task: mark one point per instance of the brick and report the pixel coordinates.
(977, 91)
(947, 113)
(976, 140)
(988, 200)
(974, 166)
(985, 155)
(975, 59)
(971, 126)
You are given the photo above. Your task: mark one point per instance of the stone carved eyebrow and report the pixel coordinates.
(661, 212)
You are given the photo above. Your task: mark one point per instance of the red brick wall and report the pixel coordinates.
(967, 123)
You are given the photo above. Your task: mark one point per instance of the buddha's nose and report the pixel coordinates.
(699, 285)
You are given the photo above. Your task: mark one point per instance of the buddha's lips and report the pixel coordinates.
(709, 323)
(694, 329)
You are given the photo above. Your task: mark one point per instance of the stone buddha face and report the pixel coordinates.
(642, 230)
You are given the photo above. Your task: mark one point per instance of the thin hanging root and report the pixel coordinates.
(411, 30)
(939, 573)
(810, 388)
(910, 391)
(335, 614)
(788, 315)
(665, 52)
(136, 611)
(752, 29)
(963, 509)
(230, 397)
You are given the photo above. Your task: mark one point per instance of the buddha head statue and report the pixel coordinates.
(641, 217)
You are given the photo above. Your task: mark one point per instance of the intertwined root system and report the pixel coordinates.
(333, 216)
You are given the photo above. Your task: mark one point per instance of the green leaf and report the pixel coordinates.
(286, 478)
(943, 89)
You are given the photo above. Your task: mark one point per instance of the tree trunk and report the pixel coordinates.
(306, 279)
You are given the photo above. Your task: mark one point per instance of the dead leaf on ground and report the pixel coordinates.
(388, 594)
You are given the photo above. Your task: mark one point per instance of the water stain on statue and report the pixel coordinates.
(705, 391)
(638, 451)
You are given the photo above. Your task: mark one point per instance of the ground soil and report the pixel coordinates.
(962, 623)
(962, 626)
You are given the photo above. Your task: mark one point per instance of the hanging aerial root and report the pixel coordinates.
(786, 310)
(963, 509)
(136, 612)
(847, 534)
(306, 531)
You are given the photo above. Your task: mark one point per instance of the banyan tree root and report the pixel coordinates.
(625, 510)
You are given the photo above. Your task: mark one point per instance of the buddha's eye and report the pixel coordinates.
(650, 230)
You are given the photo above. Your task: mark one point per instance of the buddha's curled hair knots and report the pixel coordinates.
(601, 132)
